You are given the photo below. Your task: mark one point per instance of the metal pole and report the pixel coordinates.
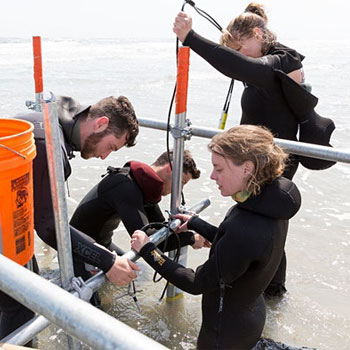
(177, 165)
(178, 149)
(296, 147)
(77, 317)
(54, 157)
(53, 148)
(315, 151)
(56, 172)
(27, 331)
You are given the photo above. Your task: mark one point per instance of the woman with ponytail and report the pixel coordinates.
(274, 96)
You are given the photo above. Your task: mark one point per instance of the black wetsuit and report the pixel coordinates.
(246, 251)
(263, 100)
(82, 245)
(129, 195)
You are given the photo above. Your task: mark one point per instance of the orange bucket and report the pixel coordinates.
(17, 151)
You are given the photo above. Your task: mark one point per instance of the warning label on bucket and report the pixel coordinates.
(21, 214)
(20, 182)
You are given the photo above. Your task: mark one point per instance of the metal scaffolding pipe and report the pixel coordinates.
(30, 329)
(54, 158)
(177, 164)
(178, 133)
(26, 332)
(296, 147)
(78, 318)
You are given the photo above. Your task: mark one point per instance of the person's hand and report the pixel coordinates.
(122, 271)
(182, 25)
(200, 242)
(184, 218)
(138, 240)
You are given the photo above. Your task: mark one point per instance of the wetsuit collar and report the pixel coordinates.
(69, 110)
(280, 200)
(76, 136)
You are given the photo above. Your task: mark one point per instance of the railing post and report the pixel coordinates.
(178, 149)
(54, 157)
(56, 172)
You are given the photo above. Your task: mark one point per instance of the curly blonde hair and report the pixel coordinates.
(242, 27)
(251, 143)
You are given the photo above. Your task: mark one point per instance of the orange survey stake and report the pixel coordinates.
(183, 63)
(38, 69)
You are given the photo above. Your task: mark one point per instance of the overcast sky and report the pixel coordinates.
(293, 19)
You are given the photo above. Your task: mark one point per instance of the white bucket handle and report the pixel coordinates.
(12, 150)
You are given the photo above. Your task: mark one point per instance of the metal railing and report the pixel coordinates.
(295, 147)
(77, 317)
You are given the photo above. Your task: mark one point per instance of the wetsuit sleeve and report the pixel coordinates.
(43, 211)
(204, 279)
(254, 71)
(154, 213)
(87, 250)
(232, 256)
(127, 201)
(208, 231)
(177, 241)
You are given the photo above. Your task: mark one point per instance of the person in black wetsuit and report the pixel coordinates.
(94, 131)
(274, 94)
(247, 246)
(131, 195)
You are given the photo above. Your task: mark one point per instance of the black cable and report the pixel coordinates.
(228, 97)
(176, 259)
(218, 26)
(205, 15)
(177, 253)
(158, 226)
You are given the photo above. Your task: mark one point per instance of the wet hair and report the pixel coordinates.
(188, 165)
(242, 28)
(251, 143)
(121, 115)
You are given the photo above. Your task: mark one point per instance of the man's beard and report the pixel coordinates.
(89, 148)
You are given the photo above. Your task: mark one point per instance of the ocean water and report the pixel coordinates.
(316, 310)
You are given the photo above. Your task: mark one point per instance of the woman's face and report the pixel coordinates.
(251, 47)
(229, 177)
